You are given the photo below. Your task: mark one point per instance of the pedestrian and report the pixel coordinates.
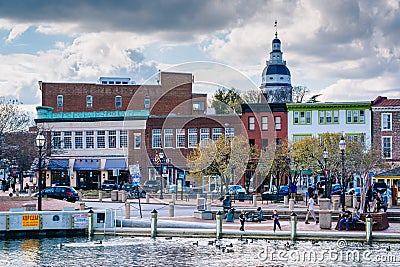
(3, 185)
(275, 218)
(13, 184)
(310, 209)
(242, 219)
(368, 200)
(260, 214)
(310, 192)
(355, 217)
(345, 217)
(293, 191)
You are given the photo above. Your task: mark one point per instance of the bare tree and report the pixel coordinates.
(299, 92)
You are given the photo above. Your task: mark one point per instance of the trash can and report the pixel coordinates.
(121, 195)
(114, 195)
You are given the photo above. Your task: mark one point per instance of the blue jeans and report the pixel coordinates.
(341, 223)
(276, 222)
(354, 220)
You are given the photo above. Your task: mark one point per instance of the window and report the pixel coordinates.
(302, 117)
(308, 117)
(192, 137)
(168, 138)
(298, 137)
(112, 139)
(336, 116)
(68, 140)
(251, 123)
(89, 101)
(204, 135)
(296, 117)
(137, 137)
(387, 147)
(156, 138)
(362, 116)
(123, 139)
(355, 116)
(90, 139)
(321, 117)
(57, 140)
(229, 132)
(78, 140)
(216, 133)
(101, 139)
(60, 101)
(180, 138)
(357, 137)
(278, 123)
(198, 105)
(147, 102)
(386, 121)
(264, 123)
(252, 142)
(328, 116)
(118, 101)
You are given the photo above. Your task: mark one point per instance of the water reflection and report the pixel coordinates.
(127, 251)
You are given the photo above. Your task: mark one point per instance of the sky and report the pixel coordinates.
(345, 50)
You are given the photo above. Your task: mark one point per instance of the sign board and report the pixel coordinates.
(30, 220)
(81, 220)
(134, 170)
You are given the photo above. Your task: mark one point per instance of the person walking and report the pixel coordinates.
(293, 191)
(310, 209)
(275, 218)
(368, 199)
(242, 219)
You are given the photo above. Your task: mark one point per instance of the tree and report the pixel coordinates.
(227, 101)
(225, 158)
(299, 92)
(12, 117)
(252, 96)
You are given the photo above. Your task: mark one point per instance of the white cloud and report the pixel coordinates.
(16, 31)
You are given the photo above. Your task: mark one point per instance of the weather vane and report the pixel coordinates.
(276, 29)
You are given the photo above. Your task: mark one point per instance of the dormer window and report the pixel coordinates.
(147, 102)
(60, 101)
(89, 101)
(118, 101)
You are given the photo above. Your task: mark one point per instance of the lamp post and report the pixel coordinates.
(327, 184)
(342, 147)
(40, 140)
(161, 155)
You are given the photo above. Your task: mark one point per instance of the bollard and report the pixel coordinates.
(91, 222)
(147, 198)
(173, 197)
(127, 210)
(17, 192)
(218, 218)
(368, 228)
(293, 226)
(354, 201)
(171, 209)
(254, 200)
(153, 231)
(285, 200)
(100, 196)
(29, 192)
(291, 204)
(390, 202)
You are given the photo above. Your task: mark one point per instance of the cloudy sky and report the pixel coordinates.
(345, 50)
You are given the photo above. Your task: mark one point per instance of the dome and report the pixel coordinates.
(278, 69)
(276, 40)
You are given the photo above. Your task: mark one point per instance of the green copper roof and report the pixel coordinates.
(46, 114)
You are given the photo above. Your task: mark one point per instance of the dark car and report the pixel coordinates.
(336, 189)
(152, 186)
(380, 187)
(109, 185)
(61, 192)
(134, 190)
(276, 195)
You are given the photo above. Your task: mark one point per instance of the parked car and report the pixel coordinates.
(173, 189)
(236, 189)
(379, 187)
(152, 186)
(109, 185)
(355, 190)
(61, 192)
(134, 190)
(336, 189)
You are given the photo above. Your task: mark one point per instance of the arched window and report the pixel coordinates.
(118, 101)
(89, 101)
(60, 100)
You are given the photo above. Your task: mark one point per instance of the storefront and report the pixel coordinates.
(392, 180)
(87, 173)
(59, 171)
(117, 170)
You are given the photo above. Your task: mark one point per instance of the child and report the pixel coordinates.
(275, 218)
(242, 219)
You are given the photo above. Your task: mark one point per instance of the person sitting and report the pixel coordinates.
(356, 216)
(379, 203)
(230, 215)
(345, 217)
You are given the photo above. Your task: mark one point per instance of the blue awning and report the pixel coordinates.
(119, 164)
(58, 164)
(87, 165)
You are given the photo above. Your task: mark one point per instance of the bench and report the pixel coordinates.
(271, 197)
(379, 222)
(243, 197)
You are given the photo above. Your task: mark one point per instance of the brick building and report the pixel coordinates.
(386, 127)
(98, 131)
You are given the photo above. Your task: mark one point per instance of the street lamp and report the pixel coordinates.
(342, 147)
(327, 184)
(161, 155)
(40, 140)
